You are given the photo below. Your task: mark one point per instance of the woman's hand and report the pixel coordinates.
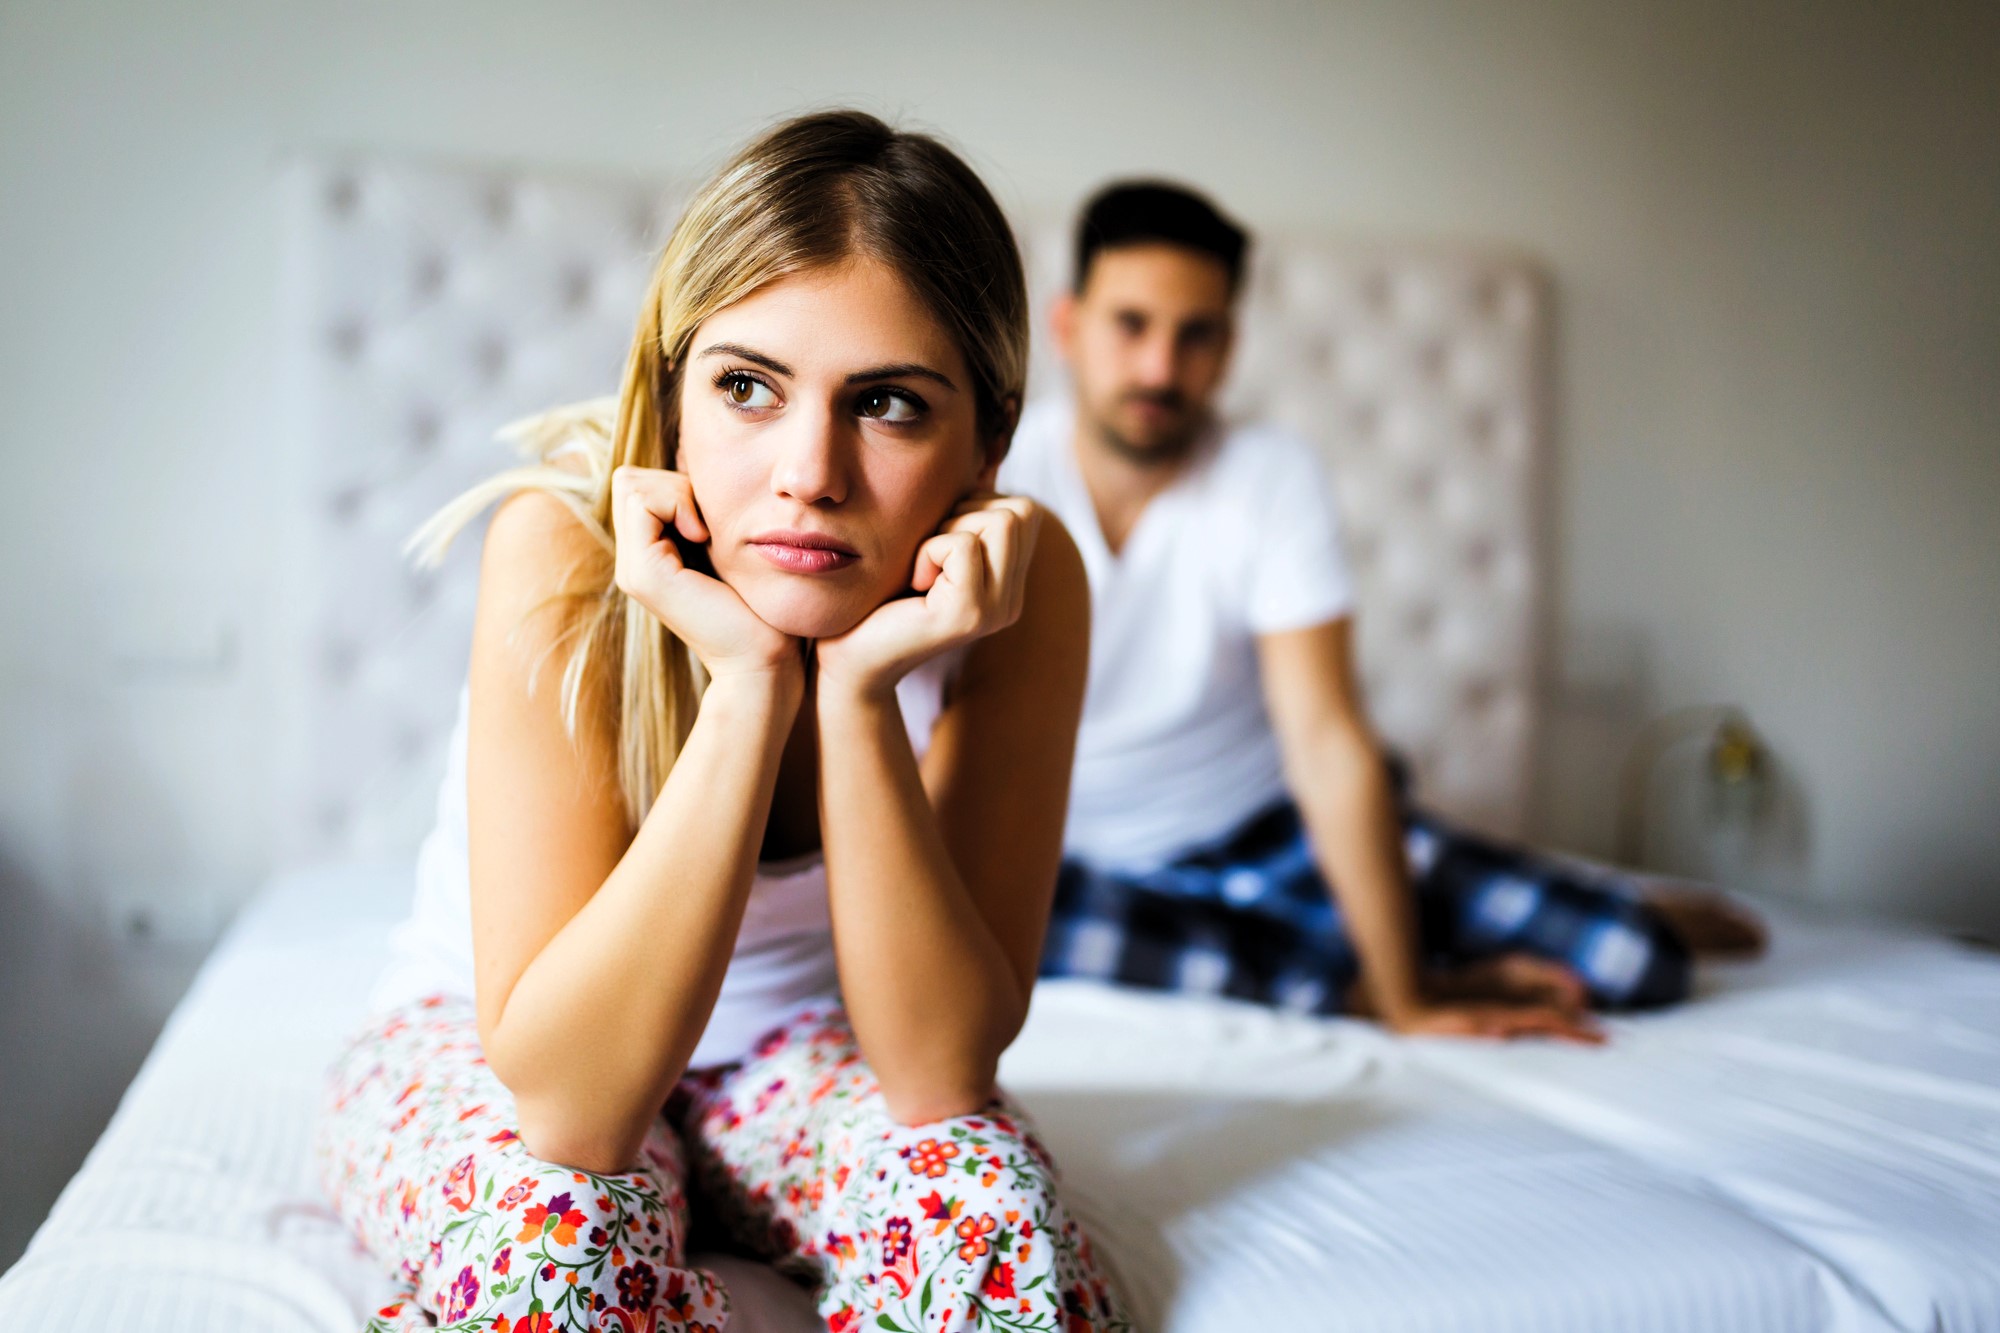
(970, 578)
(649, 506)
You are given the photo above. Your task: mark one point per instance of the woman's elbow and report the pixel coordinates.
(558, 1127)
(941, 1092)
(927, 1106)
(562, 1137)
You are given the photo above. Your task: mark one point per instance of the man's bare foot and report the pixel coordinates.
(1707, 921)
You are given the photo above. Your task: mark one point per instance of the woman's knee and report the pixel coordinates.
(516, 1230)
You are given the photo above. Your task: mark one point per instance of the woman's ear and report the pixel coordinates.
(996, 448)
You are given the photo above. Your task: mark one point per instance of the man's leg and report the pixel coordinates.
(1247, 916)
(1480, 899)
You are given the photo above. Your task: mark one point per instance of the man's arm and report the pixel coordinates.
(1335, 770)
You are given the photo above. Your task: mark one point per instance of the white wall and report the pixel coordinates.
(1775, 233)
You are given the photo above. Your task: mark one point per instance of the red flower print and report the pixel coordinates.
(940, 1210)
(1076, 1309)
(458, 1300)
(515, 1193)
(999, 1283)
(677, 1297)
(841, 1247)
(461, 1186)
(899, 1257)
(408, 1203)
(843, 1319)
(535, 1323)
(974, 1231)
(555, 1217)
(637, 1285)
(930, 1158)
(471, 1111)
(504, 1136)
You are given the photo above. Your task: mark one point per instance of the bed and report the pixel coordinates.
(1812, 1144)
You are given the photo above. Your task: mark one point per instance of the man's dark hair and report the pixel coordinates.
(1135, 212)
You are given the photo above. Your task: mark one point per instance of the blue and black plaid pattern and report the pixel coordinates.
(1251, 917)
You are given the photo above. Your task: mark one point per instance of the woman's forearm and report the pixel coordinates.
(928, 989)
(602, 1022)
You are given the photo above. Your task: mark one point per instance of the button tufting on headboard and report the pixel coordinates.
(432, 304)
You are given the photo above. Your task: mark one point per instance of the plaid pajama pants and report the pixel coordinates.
(1249, 916)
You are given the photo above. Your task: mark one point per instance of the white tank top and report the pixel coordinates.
(784, 951)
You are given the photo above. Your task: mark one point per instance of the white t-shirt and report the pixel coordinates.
(783, 959)
(1176, 748)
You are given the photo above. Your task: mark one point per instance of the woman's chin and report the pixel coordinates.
(805, 612)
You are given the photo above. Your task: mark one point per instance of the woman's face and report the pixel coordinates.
(827, 428)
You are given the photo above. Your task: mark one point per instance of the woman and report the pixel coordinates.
(757, 806)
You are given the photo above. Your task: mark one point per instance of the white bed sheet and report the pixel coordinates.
(1846, 1091)
(1237, 1166)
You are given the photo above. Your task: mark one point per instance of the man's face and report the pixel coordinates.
(1147, 341)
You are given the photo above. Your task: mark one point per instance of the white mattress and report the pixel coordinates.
(1815, 1145)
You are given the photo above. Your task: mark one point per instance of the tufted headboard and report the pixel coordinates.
(425, 305)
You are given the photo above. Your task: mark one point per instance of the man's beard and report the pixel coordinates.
(1162, 449)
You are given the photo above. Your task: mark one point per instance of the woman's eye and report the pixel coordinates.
(742, 391)
(888, 405)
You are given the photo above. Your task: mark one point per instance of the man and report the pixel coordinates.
(1226, 773)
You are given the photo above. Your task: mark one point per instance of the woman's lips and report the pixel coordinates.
(804, 552)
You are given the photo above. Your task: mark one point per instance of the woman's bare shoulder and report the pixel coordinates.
(536, 546)
(542, 566)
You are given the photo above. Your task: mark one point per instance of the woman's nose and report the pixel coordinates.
(811, 467)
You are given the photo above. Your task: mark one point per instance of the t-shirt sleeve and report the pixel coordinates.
(1298, 576)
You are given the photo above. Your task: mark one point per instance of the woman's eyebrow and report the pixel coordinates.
(771, 364)
(902, 370)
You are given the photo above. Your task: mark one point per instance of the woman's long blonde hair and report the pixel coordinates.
(812, 191)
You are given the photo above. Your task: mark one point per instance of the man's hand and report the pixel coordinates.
(1497, 1022)
(1497, 999)
(1513, 995)
(1512, 978)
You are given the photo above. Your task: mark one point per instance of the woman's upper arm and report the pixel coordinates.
(998, 769)
(545, 821)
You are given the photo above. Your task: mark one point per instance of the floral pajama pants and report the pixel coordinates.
(791, 1153)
